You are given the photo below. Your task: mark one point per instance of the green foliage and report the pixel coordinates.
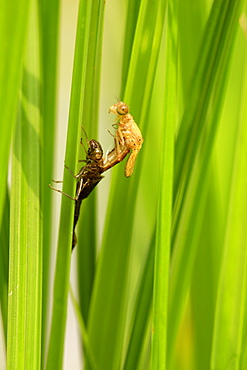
(165, 288)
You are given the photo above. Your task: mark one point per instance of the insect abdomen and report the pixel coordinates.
(129, 168)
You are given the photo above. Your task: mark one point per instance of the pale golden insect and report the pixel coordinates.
(127, 134)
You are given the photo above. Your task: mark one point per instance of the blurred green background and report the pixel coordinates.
(157, 280)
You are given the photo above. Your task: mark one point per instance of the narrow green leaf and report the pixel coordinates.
(83, 331)
(191, 21)
(108, 306)
(164, 213)
(206, 273)
(25, 261)
(87, 227)
(130, 27)
(141, 312)
(230, 317)
(4, 262)
(193, 150)
(49, 22)
(61, 283)
(13, 24)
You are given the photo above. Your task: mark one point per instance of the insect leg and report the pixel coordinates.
(110, 132)
(60, 191)
(120, 136)
(83, 129)
(57, 181)
(119, 141)
(75, 176)
(81, 142)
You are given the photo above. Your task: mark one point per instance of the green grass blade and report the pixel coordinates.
(4, 262)
(49, 19)
(86, 252)
(13, 23)
(142, 60)
(86, 248)
(131, 21)
(61, 283)
(193, 158)
(25, 261)
(212, 240)
(230, 316)
(191, 21)
(83, 331)
(106, 337)
(205, 277)
(141, 312)
(91, 97)
(212, 50)
(164, 212)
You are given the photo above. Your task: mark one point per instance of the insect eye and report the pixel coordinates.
(122, 109)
